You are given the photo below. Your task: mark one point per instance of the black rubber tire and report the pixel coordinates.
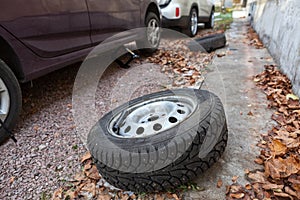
(211, 18)
(141, 44)
(188, 30)
(186, 150)
(208, 43)
(14, 91)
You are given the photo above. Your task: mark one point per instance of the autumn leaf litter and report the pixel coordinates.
(279, 155)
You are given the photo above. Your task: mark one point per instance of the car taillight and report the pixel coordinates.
(177, 12)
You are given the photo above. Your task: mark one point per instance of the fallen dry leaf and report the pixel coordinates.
(271, 170)
(175, 196)
(248, 186)
(125, 197)
(294, 179)
(133, 196)
(291, 192)
(90, 187)
(247, 171)
(292, 165)
(221, 54)
(93, 173)
(227, 189)
(259, 161)
(71, 195)
(282, 194)
(58, 194)
(87, 166)
(237, 195)
(235, 188)
(257, 177)
(234, 178)
(278, 148)
(219, 183)
(80, 177)
(256, 79)
(86, 157)
(159, 197)
(272, 186)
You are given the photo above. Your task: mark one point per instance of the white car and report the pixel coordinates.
(186, 14)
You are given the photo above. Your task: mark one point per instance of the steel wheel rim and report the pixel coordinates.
(152, 117)
(194, 23)
(4, 101)
(153, 33)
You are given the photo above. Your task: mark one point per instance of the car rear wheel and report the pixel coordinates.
(211, 22)
(192, 27)
(153, 34)
(10, 100)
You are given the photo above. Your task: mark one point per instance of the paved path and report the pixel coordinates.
(231, 77)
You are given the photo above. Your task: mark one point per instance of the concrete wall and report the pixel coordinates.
(278, 24)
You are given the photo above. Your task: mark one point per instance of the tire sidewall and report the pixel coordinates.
(14, 91)
(193, 10)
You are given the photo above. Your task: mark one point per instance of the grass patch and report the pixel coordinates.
(223, 21)
(218, 9)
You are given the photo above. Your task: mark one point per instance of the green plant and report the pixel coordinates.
(223, 21)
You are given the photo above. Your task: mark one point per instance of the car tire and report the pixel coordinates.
(168, 159)
(192, 28)
(208, 43)
(151, 42)
(211, 22)
(10, 100)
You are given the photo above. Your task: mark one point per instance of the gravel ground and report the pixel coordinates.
(48, 150)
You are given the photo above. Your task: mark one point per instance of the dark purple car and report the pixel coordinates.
(40, 36)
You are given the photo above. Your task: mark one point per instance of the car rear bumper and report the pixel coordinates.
(181, 22)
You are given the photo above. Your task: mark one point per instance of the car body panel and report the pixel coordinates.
(205, 8)
(50, 27)
(46, 35)
(111, 17)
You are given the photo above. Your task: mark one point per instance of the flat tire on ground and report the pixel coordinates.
(208, 43)
(189, 135)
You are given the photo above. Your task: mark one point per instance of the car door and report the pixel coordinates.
(111, 17)
(48, 27)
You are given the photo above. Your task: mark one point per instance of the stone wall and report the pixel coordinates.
(278, 24)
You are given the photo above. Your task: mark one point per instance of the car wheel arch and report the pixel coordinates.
(10, 57)
(196, 6)
(212, 9)
(152, 8)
